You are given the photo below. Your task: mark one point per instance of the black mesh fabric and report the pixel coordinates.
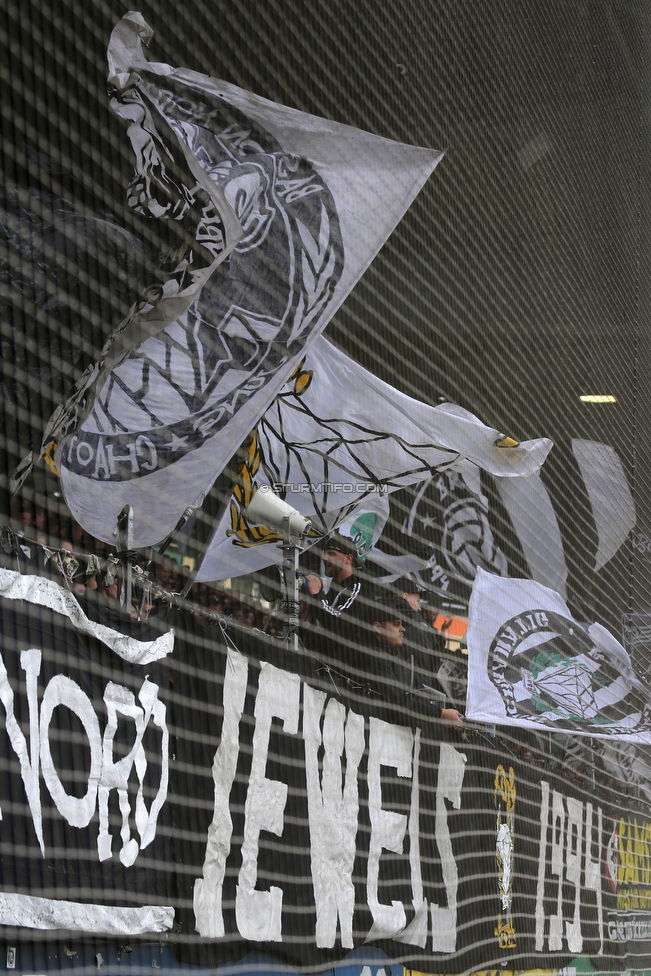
(517, 282)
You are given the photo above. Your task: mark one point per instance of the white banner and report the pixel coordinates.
(531, 664)
(314, 201)
(532, 515)
(75, 916)
(47, 593)
(612, 504)
(332, 436)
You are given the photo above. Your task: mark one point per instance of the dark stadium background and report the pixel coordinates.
(518, 280)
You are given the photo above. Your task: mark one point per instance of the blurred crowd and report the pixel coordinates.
(88, 566)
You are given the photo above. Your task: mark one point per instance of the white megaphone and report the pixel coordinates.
(266, 508)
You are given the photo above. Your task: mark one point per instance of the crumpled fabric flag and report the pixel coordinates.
(333, 437)
(532, 515)
(462, 533)
(531, 664)
(441, 533)
(612, 504)
(295, 207)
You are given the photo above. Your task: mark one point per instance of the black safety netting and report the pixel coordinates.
(427, 744)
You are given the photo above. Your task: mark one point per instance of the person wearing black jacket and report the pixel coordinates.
(418, 632)
(442, 670)
(400, 673)
(335, 626)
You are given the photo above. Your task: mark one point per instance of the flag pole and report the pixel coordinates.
(125, 545)
(290, 605)
(162, 546)
(223, 508)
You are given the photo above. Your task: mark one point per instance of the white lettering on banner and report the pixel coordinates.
(103, 775)
(389, 745)
(207, 900)
(416, 931)
(573, 852)
(30, 662)
(572, 823)
(629, 929)
(101, 463)
(141, 455)
(65, 693)
(115, 776)
(258, 913)
(334, 740)
(452, 766)
(542, 860)
(558, 836)
(332, 812)
(592, 871)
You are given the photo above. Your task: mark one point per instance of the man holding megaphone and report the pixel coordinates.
(337, 620)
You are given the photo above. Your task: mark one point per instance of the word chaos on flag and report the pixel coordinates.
(293, 209)
(531, 664)
(335, 441)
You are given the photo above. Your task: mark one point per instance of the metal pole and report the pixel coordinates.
(124, 544)
(223, 508)
(290, 605)
(165, 544)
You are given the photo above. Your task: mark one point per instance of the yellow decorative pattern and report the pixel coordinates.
(48, 457)
(243, 533)
(504, 799)
(246, 534)
(507, 442)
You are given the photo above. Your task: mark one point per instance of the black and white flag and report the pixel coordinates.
(337, 441)
(449, 530)
(446, 531)
(531, 664)
(294, 208)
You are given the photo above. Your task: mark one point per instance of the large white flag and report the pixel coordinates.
(294, 208)
(531, 664)
(531, 511)
(333, 437)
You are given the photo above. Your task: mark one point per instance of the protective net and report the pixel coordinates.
(385, 265)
